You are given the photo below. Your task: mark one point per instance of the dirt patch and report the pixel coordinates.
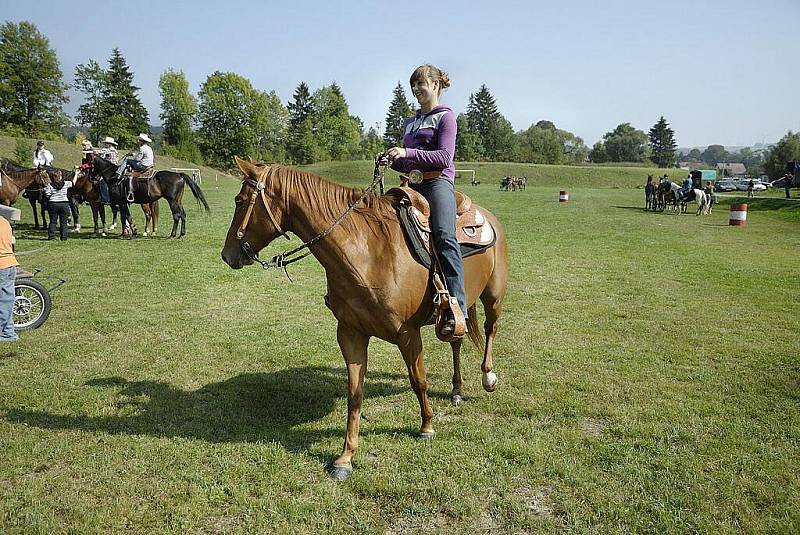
(418, 524)
(538, 500)
(593, 427)
(226, 524)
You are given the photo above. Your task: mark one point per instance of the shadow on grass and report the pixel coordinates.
(252, 407)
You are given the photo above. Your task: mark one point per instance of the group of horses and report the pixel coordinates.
(169, 185)
(513, 183)
(667, 195)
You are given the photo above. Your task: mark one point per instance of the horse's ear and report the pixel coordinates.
(245, 167)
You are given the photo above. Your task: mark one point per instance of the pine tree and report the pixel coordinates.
(468, 142)
(300, 144)
(125, 116)
(494, 131)
(662, 143)
(399, 109)
(31, 91)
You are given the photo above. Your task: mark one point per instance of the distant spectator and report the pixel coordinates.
(750, 188)
(787, 185)
(42, 156)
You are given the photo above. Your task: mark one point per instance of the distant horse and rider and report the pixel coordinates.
(667, 194)
(513, 183)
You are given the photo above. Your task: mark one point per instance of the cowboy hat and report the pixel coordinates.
(110, 139)
(145, 138)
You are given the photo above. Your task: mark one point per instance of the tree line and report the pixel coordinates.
(229, 116)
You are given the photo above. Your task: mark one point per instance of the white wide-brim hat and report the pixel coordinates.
(110, 139)
(145, 138)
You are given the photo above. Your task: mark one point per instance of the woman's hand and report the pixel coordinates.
(396, 152)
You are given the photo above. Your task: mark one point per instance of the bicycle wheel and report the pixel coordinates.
(32, 304)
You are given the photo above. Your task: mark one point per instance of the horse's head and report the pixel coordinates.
(45, 175)
(257, 219)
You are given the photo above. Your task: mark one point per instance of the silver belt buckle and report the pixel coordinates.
(415, 176)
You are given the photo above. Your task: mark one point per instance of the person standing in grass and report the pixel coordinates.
(787, 185)
(8, 274)
(429, 145)
(58, 206)
(750, 188)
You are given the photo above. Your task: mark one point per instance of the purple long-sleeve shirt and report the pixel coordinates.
(430, 143)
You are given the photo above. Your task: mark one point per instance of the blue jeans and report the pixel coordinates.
(103, 185)
(7, 298)
(441, 197)
(136, 165)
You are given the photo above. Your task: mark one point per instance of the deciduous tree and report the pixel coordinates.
(178, 112)
(626, 144)
(31, 89)
(715, 154)
(786, 150)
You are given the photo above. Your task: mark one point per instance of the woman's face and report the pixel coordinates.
(425, 90)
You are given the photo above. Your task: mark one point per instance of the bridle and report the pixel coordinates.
(290, 256)
(42, 178)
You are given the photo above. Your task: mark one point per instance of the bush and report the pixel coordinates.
(23, 153)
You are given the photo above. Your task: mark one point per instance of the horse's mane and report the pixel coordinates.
(331, 200)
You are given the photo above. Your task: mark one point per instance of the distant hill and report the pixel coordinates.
(729, 148)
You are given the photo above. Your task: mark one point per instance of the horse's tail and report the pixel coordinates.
(473, 330)
(196, 191)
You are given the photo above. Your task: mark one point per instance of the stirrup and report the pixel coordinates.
(129, 198)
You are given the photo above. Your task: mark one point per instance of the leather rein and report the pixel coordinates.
(291, 256)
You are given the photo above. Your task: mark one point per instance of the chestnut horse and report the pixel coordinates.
(375, 287)
(14, 181)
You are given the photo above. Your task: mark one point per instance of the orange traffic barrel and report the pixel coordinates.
(563, 196)
(738, 214)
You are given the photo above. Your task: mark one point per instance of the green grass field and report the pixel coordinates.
(648, 367)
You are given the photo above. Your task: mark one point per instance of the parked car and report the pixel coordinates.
(744, 183)
(725, 184)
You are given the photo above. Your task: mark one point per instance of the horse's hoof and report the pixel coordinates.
(144, 234)
(341, 472)
(457, 400)
(103, 234)
(489, 381)
(427, 436)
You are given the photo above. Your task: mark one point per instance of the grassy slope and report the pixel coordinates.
(66, 155)
(648, 368)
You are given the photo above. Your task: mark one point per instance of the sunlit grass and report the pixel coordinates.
(648, 368)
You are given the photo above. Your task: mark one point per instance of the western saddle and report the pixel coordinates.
(474, 234)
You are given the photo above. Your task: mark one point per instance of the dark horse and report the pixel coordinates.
(166, 184)
(375, 287)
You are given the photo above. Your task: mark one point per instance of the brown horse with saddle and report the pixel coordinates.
(378, 285)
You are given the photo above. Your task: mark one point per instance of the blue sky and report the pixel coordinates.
(720, 71)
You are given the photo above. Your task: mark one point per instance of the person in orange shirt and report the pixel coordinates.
(8, 273)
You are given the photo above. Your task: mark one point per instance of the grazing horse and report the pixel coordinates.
(14, 181)
(166, 184)
(375, 286)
